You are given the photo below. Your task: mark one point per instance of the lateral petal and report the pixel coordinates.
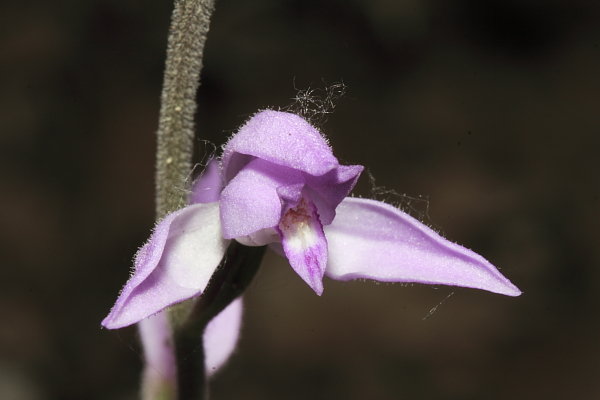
(332, 188)
(373, 240)
(174, 265)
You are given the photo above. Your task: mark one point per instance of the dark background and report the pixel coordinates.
(482, 115)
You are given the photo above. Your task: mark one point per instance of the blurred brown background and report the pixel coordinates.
(489, 110)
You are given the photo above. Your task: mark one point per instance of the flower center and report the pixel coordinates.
(298, 225)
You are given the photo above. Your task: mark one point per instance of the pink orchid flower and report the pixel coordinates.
(279, 184)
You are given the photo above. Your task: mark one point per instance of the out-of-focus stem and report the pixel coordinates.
(159, 380)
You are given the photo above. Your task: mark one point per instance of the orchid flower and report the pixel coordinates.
(279, 184)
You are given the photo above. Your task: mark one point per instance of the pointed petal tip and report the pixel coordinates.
(511, 290)
(493, 284)
(122, 316)
(106, 324)
(317, 288)
(111, 323)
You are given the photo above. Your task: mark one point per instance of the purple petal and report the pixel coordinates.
(174, 265)
(325, 211)
(370, 239)
(160, 371)
(304, 243)
(207, 188)
(282, 138)
(332, 188)
(251, 201)
(221, 336)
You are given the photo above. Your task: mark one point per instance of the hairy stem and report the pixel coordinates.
(189, 26)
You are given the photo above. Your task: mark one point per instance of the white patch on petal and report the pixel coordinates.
(260, 238)
(195, 246)
(298, 227)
